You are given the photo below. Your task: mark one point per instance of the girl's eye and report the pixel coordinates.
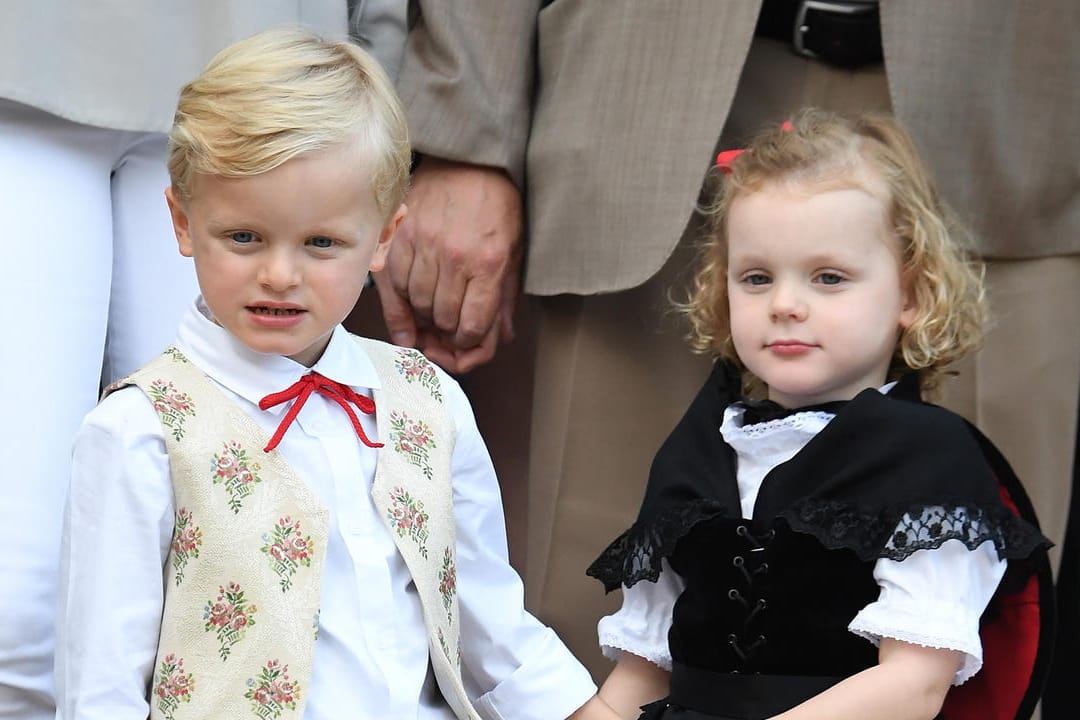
(828, 278)
(322, 242)
(242, 237)
(756, 279)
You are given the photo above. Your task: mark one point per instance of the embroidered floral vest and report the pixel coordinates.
(244, 572)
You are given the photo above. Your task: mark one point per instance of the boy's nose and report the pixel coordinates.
(278, 271)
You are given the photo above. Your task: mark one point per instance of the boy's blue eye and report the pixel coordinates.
(242, 237)
(322, 242)
(757, 279)
(830, 279)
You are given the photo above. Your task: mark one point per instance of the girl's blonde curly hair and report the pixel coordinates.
(936, 255)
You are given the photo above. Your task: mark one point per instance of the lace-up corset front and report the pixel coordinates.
(766, 600)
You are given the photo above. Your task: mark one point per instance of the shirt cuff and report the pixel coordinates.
(549, 684)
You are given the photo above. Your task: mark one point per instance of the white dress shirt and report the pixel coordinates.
(933, 598)
(371, 657)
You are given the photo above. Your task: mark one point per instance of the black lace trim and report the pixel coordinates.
(895, 533)
(636, 554)
(890, 533)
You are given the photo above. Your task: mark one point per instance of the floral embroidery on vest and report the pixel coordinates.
(448, 581)
(288, 548)
(233, 468)
(175, 354)
(186, 541)
(174, 686)
(413, 439)
(414, 367)
(409, 518)
(230, 615)
(446, 648)
(172, 406)
(442, 643)
(272, 692)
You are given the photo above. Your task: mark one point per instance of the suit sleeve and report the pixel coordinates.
(467, 79)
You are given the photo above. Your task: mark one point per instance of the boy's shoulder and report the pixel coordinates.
(409, 364)
(386, 349)
(171, 355)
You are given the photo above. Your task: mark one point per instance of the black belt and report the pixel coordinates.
(738, 695)
(698, 694)
(845, 33)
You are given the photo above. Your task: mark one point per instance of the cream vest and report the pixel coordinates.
(244, 573)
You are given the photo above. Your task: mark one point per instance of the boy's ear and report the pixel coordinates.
(180, 221)
(386, 236)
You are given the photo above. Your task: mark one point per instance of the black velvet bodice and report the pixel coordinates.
(768, 601)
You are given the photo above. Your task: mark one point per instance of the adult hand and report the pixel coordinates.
(453, 273)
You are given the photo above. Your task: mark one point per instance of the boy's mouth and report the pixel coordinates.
(264, 310)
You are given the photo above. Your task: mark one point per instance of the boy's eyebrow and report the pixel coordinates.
(217, 226)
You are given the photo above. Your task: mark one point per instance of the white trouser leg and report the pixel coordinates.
(152, 283)
(57, 190)
(56, 253)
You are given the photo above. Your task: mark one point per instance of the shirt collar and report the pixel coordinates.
(253, 375)
(798, 422)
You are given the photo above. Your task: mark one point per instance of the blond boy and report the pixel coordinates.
(275, 518)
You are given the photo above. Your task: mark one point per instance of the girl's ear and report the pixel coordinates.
(909, 306)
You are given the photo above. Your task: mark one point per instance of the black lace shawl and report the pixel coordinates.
(889, 475)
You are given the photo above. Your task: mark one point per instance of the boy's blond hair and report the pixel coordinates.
(281, 93)
(871, 152)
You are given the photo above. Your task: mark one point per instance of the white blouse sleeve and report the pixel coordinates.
(641, 625)
(934, 598)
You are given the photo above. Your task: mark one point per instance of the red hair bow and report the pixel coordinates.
(724, 159)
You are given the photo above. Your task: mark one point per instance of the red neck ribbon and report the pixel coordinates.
(302, 389)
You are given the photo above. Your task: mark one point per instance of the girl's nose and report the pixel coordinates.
(787, 303)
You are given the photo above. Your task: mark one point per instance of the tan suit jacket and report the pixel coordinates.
(631, 97)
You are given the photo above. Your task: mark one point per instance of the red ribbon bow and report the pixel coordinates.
(302, 389)
(727, 157)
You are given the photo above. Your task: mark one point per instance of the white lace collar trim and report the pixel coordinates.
(792, 432)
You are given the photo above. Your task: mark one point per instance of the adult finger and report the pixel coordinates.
(447, 300)
(479, 310)
(423, 277)
(440, 349)
(397, 313)
(472, 358)
(510, 293)
(399, 260)
(434, 347)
